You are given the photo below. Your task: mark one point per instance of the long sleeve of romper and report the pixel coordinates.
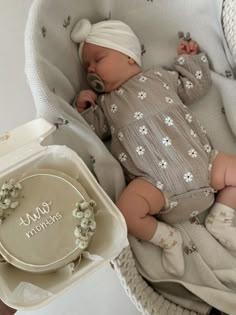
(193, 77)
(97, 121)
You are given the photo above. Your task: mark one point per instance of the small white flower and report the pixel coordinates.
(166, 141)
(14, 193)
(77, 231)
(158, 73)
(159, 185)
(120, 136)
(92, 225)
(12, 182)
(143, 130)
(84, 237)
(204, 59)
(92, 127)
(88, 213)
(5, 186)
(7, 202)
(114, 108)
(169, 100)
(140, 150)
(181, 60)
(79, 214)
(189, 118)
(90, 233)
(207, 148)
(207, 193)
(92, 203)
(178, 82)
(122, 157)
(194, 213)
(10, 185)
(169, 121)
(192, 153)
(120, 91)
(142, 95)
(74, 213)
(83, 205)
(198, 74)
(112, 129)
(142, 78)
(173, 204)
(209, 167)
(193, 133)
(102, 98)
(162, 164)
(105, 128)
(166, 86)
(189, 85)
(14, 204)
(138, 115)
(188, 177)
(82, 244)
(84, 223)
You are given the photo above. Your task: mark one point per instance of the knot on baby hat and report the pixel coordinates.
(110, 34)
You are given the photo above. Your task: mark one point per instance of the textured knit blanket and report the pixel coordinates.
(55, 76)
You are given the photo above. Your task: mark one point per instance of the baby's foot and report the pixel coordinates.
(170, 240)
(172, 256)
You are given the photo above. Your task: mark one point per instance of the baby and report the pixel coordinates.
(169, 162)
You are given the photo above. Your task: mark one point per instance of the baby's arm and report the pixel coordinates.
(86, 105)
(193, 73)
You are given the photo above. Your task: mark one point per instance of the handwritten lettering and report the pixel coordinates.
(33, 217)
(44, 225)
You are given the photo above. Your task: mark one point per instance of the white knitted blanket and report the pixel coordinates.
(55, 76)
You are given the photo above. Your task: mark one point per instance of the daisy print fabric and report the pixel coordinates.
(153, 133)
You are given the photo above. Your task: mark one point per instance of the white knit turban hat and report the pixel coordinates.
(110, 34)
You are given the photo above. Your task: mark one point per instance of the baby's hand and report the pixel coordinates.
(85, 99)
(188, 47)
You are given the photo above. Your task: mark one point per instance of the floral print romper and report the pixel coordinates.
(155, 136)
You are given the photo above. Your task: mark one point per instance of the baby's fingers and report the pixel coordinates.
(193, 47)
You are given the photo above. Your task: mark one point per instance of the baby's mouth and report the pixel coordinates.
(95, 82)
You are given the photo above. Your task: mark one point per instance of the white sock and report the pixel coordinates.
(219, 223)
(170, 240)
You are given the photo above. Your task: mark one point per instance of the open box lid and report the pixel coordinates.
(22, 142)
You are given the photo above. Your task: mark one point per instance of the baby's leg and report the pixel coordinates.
(138, 203)
(219, 222)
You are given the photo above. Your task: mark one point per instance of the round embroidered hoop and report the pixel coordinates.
(41, 234)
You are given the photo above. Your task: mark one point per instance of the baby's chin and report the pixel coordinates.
(109, 87)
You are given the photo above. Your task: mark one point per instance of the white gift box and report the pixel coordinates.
(20, 152)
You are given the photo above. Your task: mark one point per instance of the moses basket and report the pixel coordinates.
(55, 76)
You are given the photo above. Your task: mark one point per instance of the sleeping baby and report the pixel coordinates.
(167, 157)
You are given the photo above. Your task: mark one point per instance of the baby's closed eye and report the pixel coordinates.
(99, 58)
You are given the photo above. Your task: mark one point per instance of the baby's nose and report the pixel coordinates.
(91, 69)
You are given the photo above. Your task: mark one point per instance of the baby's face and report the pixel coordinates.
(110, 65)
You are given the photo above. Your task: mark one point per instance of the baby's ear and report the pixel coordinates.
(131, 61)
